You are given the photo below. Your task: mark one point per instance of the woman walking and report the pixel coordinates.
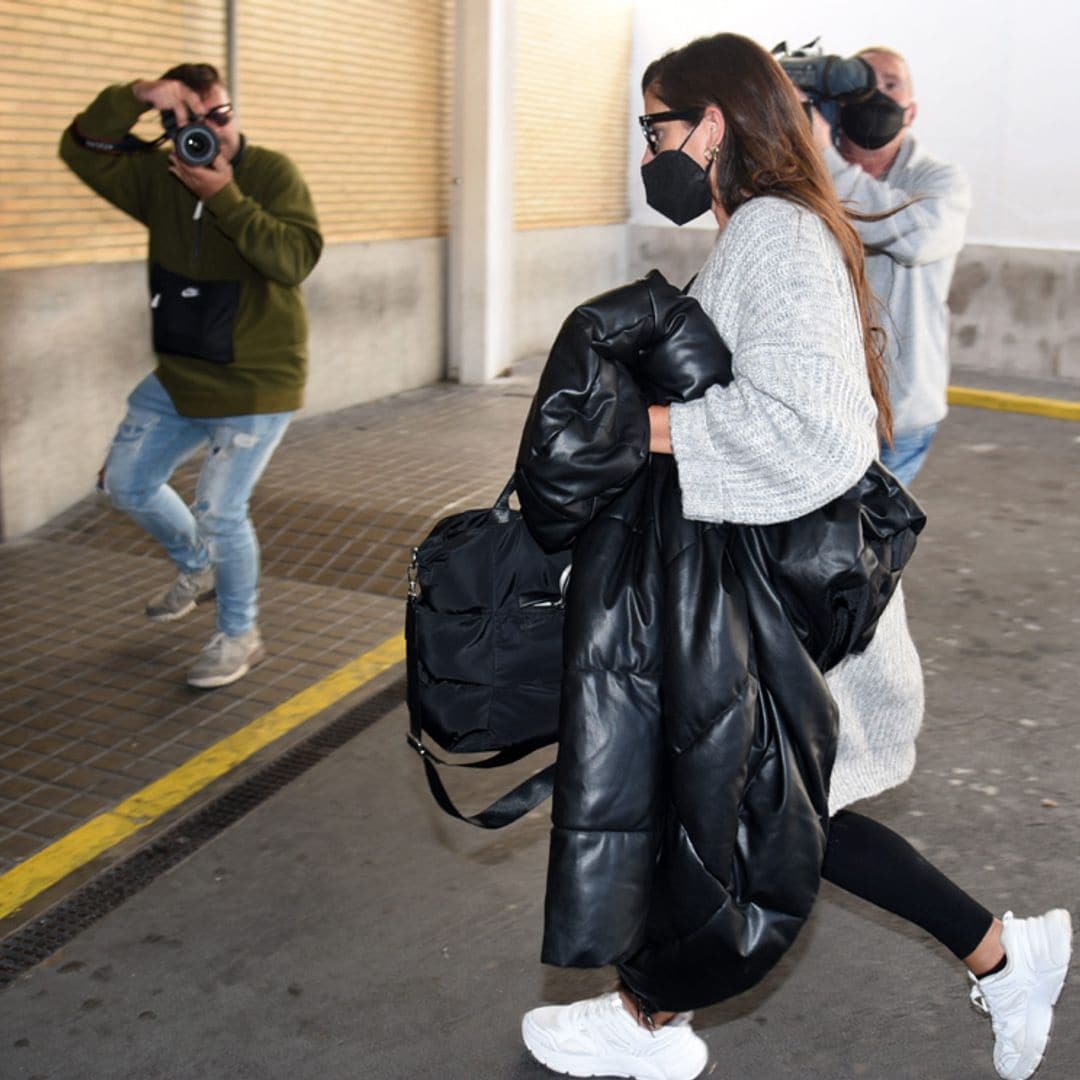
(797, 426)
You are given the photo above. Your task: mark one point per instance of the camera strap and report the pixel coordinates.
(129, 144)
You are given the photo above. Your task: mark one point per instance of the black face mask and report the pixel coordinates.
(676, 185)
(874, 122)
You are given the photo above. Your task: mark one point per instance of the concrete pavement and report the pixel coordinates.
(345, 928)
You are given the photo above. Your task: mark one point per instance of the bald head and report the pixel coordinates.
(892, 71)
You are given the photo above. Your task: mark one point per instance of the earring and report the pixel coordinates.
(711, 153)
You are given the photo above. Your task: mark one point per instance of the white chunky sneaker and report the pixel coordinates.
(599, 1037)
(1020, 998)
(226, 659)
(182, 596)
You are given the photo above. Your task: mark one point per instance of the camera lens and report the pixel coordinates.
(196, 144)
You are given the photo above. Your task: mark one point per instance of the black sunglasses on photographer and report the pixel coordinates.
(220, 115)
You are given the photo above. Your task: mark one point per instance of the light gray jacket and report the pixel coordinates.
(911, 256)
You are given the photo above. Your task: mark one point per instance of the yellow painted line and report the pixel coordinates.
(1053, 408)
(85, 843)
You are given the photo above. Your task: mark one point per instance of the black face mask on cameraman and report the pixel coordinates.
(874, 122)
(676, 185)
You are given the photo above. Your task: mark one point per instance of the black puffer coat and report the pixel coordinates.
(696, 732)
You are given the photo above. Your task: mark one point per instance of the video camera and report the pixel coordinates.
(828, 81)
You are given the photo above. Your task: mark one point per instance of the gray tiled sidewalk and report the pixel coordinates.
(93, 703)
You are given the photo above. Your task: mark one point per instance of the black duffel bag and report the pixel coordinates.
(483, 633)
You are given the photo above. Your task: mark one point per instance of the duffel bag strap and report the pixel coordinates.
(505, 810)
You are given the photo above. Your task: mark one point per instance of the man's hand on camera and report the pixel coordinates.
(204, 181)
(168, 94)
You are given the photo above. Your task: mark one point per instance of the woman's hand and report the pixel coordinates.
(659, 429)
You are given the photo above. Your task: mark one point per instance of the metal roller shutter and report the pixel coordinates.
(571, 78)
(358, 93)
(57, 56)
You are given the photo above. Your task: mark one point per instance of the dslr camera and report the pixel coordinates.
(196, 143)
(828, 81)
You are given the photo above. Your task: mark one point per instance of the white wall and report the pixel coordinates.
(995, 85)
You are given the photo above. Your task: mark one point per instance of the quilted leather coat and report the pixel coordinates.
(697, 733)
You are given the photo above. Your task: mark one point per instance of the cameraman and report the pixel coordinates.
(230, 241)
(876, 166)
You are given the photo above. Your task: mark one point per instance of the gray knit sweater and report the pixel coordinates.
(795, 429)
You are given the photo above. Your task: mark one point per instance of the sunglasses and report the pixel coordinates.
(647, 122)
(220, 115)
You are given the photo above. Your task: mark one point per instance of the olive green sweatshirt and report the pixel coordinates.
(256, 240)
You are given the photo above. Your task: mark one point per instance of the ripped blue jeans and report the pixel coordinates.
(153, 440)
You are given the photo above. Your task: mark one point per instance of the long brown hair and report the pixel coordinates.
(767, 150)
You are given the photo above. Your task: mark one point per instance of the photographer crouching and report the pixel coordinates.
(232, 234)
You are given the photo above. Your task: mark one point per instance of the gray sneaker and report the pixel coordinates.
(226, 659)
(182, 596)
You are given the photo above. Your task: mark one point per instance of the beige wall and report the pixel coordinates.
(77, 339)
(377, 318)
(557, 269)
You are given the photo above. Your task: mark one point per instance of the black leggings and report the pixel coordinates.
(869, 860)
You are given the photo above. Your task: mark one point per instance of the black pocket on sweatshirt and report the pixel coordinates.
(193, 318)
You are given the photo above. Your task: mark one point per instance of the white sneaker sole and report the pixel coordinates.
(212, 682)
(632, 1067)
